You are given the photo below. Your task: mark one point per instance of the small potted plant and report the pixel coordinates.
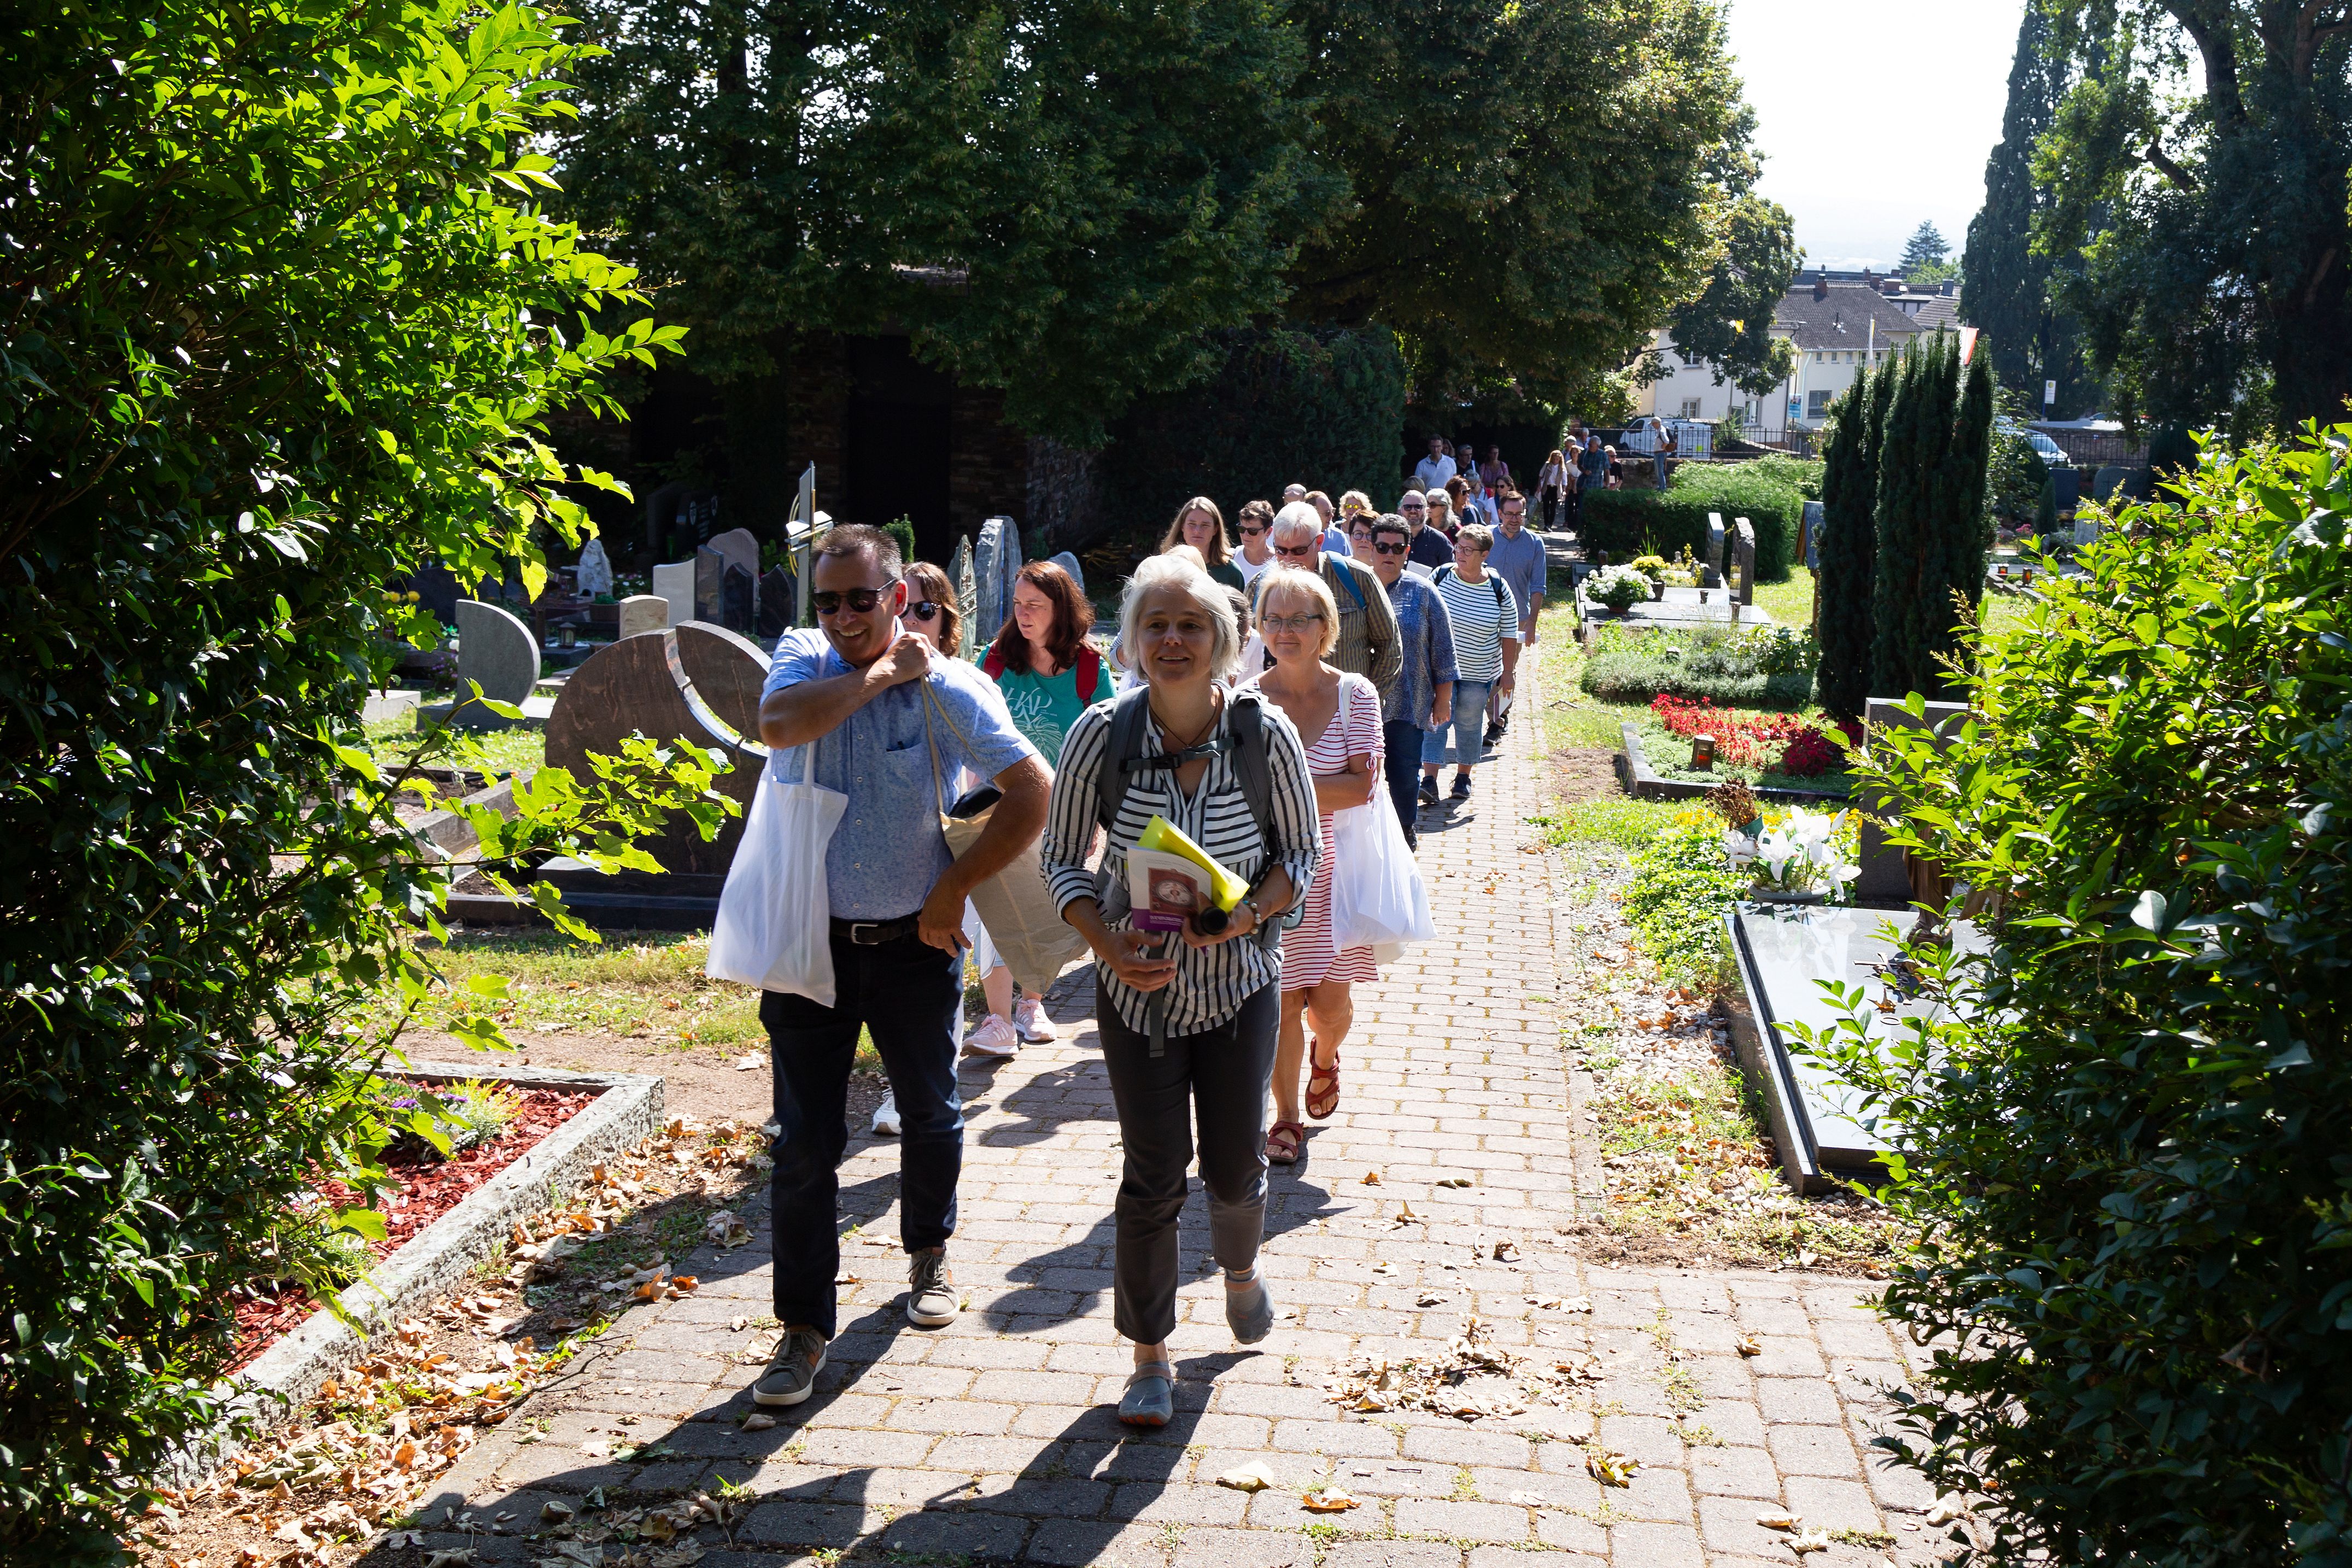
(1617, 588)
(1654, 568)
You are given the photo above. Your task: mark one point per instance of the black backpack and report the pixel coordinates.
(1495, 582)
(1246, 740)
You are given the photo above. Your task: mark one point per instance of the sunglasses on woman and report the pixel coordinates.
(825, 602)
(922, 610)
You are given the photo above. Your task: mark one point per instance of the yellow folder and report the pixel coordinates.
(1166, 837)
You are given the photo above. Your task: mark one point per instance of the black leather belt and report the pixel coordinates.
(874, 933)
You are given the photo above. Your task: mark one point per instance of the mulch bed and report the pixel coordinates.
(424, 1189)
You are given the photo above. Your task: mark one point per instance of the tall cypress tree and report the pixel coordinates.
(1849, 543)
(1931, 479)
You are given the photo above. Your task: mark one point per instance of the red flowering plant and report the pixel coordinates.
(1744, 741)
(1814, 753)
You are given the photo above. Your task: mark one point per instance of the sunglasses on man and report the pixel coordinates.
(861, 601)
(1412, 506)
(1295, 552)
(1387, 549)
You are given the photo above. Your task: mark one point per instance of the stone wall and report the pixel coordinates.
(818, 405)
(988, 464)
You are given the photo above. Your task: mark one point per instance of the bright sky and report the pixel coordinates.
(1874, 114)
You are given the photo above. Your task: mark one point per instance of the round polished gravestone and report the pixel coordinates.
(498, 652)
(694, 683)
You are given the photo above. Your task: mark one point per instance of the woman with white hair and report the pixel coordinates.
(1189, 1021)
(1300, 622)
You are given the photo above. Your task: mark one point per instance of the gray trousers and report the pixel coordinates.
(1223, 1073)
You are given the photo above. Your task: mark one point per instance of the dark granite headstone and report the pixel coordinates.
(778, 594)
(709, 586)
(739, 600)
(1884, 880)
(1743, 555)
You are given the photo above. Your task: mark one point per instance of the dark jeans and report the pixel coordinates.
(1403, 766)
(1223, 1072)
(907, 995)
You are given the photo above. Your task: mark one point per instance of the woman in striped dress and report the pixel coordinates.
(1188, 1022)
(1300, 621)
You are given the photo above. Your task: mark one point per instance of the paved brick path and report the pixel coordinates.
(993, 1440)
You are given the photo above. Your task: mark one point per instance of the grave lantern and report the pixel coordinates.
(1702, 754)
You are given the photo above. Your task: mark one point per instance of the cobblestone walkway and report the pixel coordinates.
(992, 1439)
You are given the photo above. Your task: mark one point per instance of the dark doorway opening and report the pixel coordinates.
(896, 446)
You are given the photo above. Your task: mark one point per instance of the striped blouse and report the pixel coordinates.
(1483, 617)
(1213, 982)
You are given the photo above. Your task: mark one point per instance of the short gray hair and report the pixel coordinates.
(1174, 571)
(1296, 519)
(1438, 498)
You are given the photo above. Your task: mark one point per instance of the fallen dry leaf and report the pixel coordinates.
(758, 1423)
(1812, 1541)
(753, 1062)
(1529, 1499)
(682, 1555)
(1454, 1180)
(1749, 1345)
(1507, 1251)
(1610, 1468)
(1404, 1214)
(1777, 1519)
(1253, 1476)
(1328, 1500)
(1372, 1178)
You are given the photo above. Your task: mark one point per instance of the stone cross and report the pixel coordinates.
(1744, 558)
(499, 652)
(1712, 575)
(643, 612)
(674, 581)
(594, 574)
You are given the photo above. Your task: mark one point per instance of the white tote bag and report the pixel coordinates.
(1378, 899)
(774, 928)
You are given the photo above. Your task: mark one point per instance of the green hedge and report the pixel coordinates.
(1637, 677)
(1322, 408)
(1628, 523)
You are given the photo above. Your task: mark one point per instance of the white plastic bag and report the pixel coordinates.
(1378, 899)
(774, 928)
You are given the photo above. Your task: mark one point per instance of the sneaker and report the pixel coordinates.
(994, 1037)
(1428, 790)
(930, 1291)
(792, 1373)
(1461, 789)
(1029, 1022)
(886, 1117)
(1494, 733)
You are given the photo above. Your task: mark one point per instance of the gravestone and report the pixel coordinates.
(674, 581)
(1069, 563)
(994, 565)
(694, 683)
(779, 595)
(593, 575)
(739, 600)
(497, 650)
(437, 592)
(738, 547)
(1810, 547)
(709, 584)
(1885, 879)
(967, 590)
(1711, 574)
(1743, 556)
(643, 612)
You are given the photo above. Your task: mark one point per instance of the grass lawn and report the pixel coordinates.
(500, 752)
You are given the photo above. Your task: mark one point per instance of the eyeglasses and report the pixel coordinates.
(1295, 552)
(1412, 506)
(923, 610)
(825, 602)
(1289, 623)
(1391, 549)
(1249, 532)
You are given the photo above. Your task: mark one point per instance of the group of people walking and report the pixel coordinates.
(1255, 688)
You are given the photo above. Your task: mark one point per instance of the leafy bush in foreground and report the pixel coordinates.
(2130, 1168)
(276, 338)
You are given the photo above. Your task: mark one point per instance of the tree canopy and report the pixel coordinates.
(2007, 289)
(1926, 247)
(1729, 322)
(1060, 200)
(2209, 227)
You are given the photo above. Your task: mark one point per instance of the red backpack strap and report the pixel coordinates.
(993, 665)
(1089, 681)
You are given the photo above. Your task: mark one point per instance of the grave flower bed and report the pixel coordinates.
(424, 1185)
(1775, 750)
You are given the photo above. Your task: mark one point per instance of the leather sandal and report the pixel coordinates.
(1282, 1142)
(1327, 1094)
(1151, 1398)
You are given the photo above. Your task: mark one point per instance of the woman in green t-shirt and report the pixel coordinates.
(1041, 661)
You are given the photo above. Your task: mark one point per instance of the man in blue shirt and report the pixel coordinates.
(1519, 560)
(847, 707)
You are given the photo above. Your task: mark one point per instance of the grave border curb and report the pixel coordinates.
(1645, 783)
(265, 1394)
